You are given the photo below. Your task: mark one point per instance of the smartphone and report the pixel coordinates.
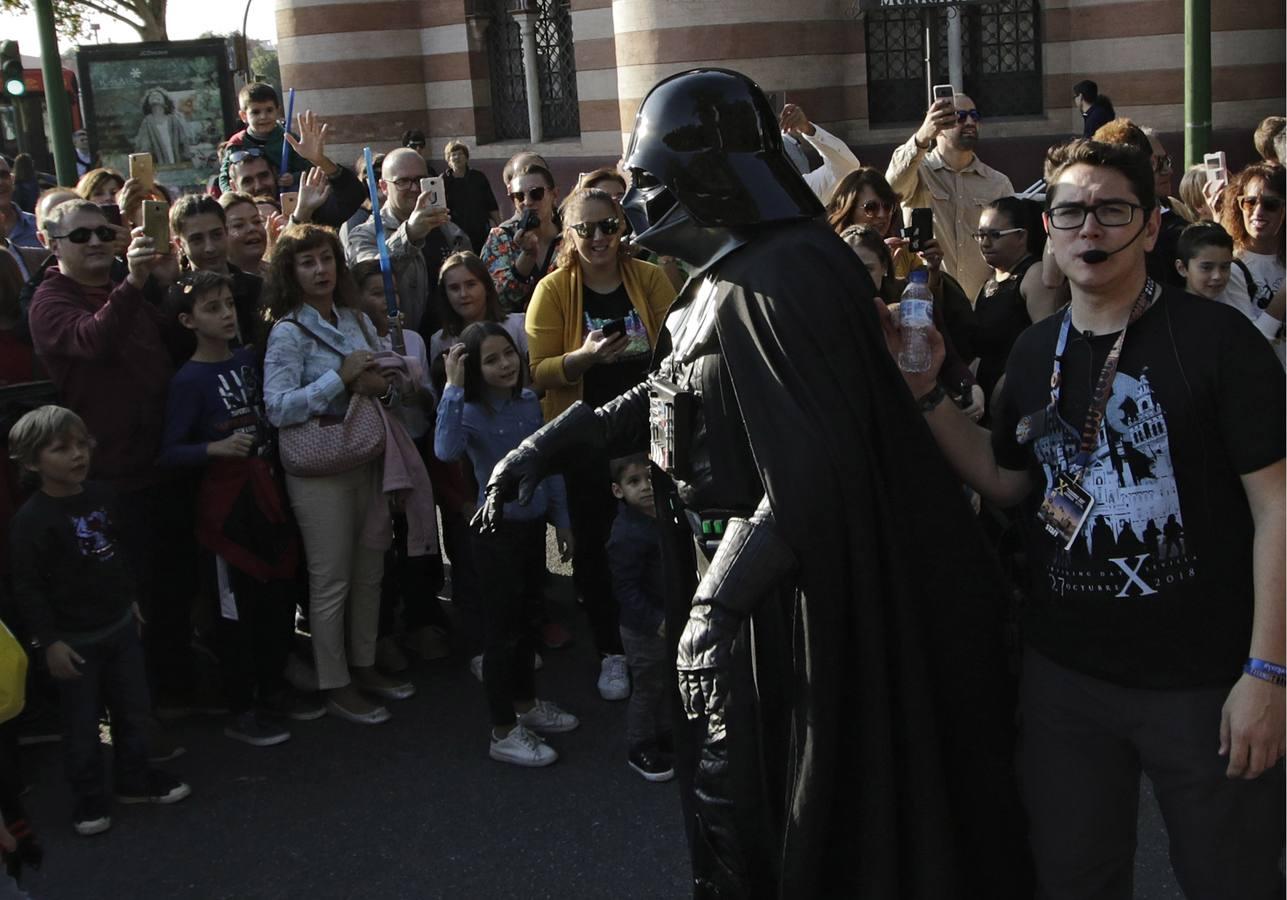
(142, 170)
(434, 186)
(1217, 170)
(290, 200)
(156, 224)
(112, 213)
(615, 327)
(531, 220)
(944, 92)
(921, 231)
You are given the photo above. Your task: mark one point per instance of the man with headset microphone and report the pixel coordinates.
(1143, 432)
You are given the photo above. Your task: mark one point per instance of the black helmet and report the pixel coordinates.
(707, 141)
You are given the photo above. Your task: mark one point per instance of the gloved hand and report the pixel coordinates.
(516, 476)
(705, 652)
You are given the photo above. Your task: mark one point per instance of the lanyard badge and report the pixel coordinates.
(1066, 506)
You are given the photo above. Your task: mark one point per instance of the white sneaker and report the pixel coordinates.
(547, 718)
(476, 665)
(522, 748)
(614, 681)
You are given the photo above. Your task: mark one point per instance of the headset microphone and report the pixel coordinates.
(1097, 256)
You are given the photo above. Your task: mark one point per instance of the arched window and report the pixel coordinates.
(1000, 56)
(556, 71)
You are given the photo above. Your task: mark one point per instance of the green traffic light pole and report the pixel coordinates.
(1197, 80)
(55, 94)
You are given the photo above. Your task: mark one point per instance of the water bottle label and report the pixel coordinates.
(916, 313)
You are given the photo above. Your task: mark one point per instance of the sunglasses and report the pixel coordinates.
(875, 207)
(105, 233)
(1271, 203)
(236, 156)
(963, 114)
(606, 227)
(536, 195)
(994, 234)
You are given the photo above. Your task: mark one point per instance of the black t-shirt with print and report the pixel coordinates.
(608, 381)
(1157, 589)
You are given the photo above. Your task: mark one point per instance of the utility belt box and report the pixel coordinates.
(670, 426)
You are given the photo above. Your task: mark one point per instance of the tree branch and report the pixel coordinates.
(108, 11)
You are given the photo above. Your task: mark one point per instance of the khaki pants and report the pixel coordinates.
(343, 576)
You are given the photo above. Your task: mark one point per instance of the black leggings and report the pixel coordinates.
(511, 575)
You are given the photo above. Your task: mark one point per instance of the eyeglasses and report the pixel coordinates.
(876, 207)
(606, 227)
(405, 184)
(1163, 163)
(236, 156)
(415, 146)
(105, 233)
(1112, 214)
(1249, 202)
(995, 234)
(963, 114)
(536, 195)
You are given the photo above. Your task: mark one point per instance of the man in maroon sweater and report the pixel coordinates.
(101, 344)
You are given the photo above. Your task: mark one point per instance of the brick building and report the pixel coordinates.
(455, 68)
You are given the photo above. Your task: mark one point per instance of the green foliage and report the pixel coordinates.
(72, 17)
(263, 63)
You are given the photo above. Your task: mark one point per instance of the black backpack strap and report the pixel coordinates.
(1253, 289)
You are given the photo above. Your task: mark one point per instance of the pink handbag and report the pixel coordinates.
(329, 445)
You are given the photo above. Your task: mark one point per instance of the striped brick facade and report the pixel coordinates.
(378, 67)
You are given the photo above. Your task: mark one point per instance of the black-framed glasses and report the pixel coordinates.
(237, 156)
(963, 114)
(1112, 214)
(1163, 163)
(536, 195)
(606, 227)
(1249, 202)
(995, 234)
(105, 233)
(405, 184)
(876, 207)
(415, 146)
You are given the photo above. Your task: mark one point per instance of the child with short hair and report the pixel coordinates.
(261, 109)
(214, 419)
(416, 579)
(1205, 259)
(77, 594)
(634, 557)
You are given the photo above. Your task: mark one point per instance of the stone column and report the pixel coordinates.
(526, 19)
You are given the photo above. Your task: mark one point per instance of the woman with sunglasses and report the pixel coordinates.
(591, 330)
(1011, 239)
(1251, 210)
(520, 251)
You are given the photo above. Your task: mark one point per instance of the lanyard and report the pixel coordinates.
(1103, 385)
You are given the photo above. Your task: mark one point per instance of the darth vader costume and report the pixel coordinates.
(832, 610)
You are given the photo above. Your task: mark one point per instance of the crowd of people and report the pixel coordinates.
(257, 427)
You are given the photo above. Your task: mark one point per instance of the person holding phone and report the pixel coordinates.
(419, 236)
(591, 329)
(520, 251)
(938, 168)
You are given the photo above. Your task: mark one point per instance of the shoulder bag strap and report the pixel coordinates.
(308, 331)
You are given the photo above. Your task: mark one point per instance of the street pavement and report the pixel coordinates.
(413, 808)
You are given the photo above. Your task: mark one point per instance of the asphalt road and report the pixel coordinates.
(413, 808)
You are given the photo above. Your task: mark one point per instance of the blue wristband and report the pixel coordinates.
(1266, 671)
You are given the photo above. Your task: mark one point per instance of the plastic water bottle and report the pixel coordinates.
(916, 316)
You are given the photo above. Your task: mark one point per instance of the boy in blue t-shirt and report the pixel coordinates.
(261, 110)
(214, 417)
(77, 594)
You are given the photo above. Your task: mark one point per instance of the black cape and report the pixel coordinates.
(876, 751)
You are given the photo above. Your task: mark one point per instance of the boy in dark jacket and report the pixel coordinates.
(634, 556)
(77, 594)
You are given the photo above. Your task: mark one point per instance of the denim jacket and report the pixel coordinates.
(302, 377)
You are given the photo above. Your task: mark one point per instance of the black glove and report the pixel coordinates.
(518, 474)
(750, 560)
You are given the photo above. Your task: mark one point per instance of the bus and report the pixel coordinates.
(23, 120)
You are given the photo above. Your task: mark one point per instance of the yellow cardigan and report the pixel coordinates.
(556, 324)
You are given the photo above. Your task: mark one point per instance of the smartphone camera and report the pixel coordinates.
(530, 222)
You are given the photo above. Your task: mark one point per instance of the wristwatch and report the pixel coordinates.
(929, 402)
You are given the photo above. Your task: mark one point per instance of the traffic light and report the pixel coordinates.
(11, 69)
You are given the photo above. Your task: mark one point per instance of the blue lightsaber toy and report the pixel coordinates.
(386, 267)
(290, 115)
